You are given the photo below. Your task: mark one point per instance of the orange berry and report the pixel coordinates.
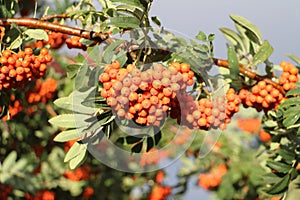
(121, 113)
(166, 74)
(196, 114)
(285, 75)
(136, 72)
(165, 82)
(269, 99)
(19, 78)
(158, 67)
(146, 103)
(111, 101)
(113, 73)
(43, 67)
(282, 80)
(117, 85)
(154, 100)
(127, 82)
(28, 51)
(294, 71)
(263, 93)
(44, 51)
(293, 78)
(104, 94)
(259, 99)
(156, 84)
(11, 61)
(12, 73)
(136, 80)
(6, 53)
(133, 96)
(175, 87)
(151, 119)
(130, 67)
(138, 107)
(104, 77)
(157, 75)
(184, 67)
(202, 122)
(165, 100)
(107, 85)
(262, 85)
(275, 93)
(286, 86)
(190, 82)
(154, 92)
(167, 91)
(144, 86)
(125, 91)
(122, 73)
(115, 65)
(133, 88)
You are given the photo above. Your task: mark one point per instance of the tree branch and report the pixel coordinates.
(250, 74)
(37, 23)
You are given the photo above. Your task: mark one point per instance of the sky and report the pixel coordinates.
(278, 21)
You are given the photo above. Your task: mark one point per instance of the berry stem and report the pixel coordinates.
(248, 73)
(37, 23)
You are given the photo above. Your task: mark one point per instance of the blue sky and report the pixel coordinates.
(279, 21)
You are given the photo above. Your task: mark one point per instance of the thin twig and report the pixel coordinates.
(60, 16)
(37, 23)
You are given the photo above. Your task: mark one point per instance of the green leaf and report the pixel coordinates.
(9, 161)
(291, 120)
(150, 143)
(78, 160)
(94, 53)
(19, 166)
(67, 135)
(109, 51)
(233, 63)
(201, 36)
(292, 92)
(157, 135)
(211, 37)
(137, 148)
(72, 70)
(280, 186)
(278, 166)
(233, 38)
(290, 102)
(249, 26)
(133, 139)
(294, 58)
(263, 53)
(156, 20)
(124, 22)
(69, 120)
(16, 43)
(286, 155)
(37, 34)
(135, 3)
(74, 151)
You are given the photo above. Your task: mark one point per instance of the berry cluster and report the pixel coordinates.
(14, 108)
(144, 96)
(42, 92)
(205, 113)
(289, 76)
(213, 178)
(263, 96)
(55, 40)
(19, 68)
(73, 42)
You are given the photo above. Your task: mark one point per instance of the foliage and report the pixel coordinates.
(73, 131)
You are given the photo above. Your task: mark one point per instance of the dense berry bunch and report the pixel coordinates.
(42, 92)
(262, 96)
(14, 108)
(144, 96)
(205, 113)
(73, 42)
(213, 178)
(19, 68)
(289, 76)
(55, 40)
